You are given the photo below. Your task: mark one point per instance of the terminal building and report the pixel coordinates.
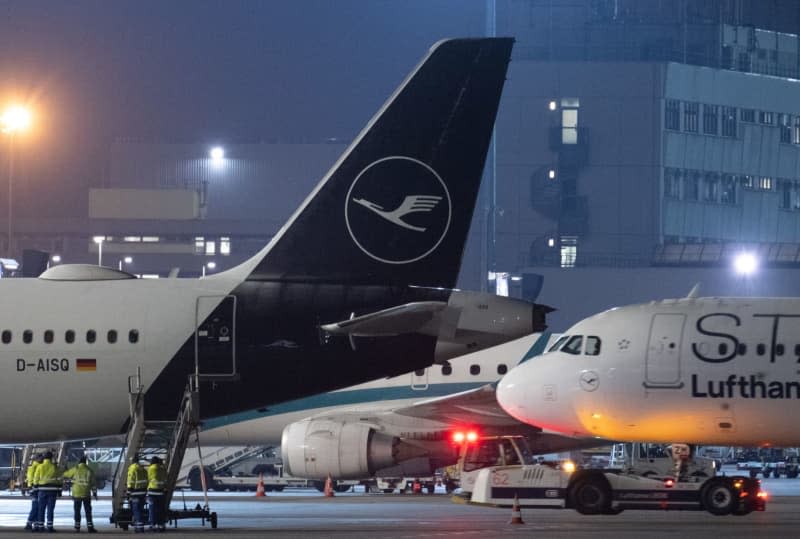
(641, 147)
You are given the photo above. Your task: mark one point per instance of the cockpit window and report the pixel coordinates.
(558, 343)
(574, 345)
(592, 346)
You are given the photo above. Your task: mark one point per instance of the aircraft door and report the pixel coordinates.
(663, 361)
(215, 336)
(419, 379)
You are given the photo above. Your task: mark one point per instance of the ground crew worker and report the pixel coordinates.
(156, 483)
(47, 479)
(137, 490)
(83, 488)
(33, 492)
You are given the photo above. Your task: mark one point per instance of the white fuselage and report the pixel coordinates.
(378, 398)
(45, 395)
(708, 371)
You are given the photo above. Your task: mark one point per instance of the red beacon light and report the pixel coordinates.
(460, 437)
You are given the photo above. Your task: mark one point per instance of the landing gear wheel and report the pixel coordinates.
(388, 490)
(213, 521)
(341, 488)
(719, 498)
(591, 496)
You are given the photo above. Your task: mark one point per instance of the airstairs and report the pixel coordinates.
(167, 440)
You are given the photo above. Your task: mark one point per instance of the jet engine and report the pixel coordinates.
(315, 448)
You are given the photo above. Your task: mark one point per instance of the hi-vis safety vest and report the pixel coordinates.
(82, 480)
(137, 480)
(156, 479)
(47, 476)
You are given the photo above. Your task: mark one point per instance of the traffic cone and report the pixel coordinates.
(260, 488)
(329, 487)
(516, 514)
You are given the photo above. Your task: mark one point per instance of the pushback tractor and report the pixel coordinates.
(609, 492)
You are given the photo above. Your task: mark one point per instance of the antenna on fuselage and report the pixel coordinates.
(694, 292)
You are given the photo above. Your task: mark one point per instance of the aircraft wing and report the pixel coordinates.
(473, 407)
(479, 408)
(407, 318)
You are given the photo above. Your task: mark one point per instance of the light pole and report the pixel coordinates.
(99, 241)
(14, 120)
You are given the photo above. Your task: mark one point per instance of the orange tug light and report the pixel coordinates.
(669, 483)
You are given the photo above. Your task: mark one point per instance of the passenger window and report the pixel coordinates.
(742, 349)
(558, 343)
(475, 370)
(133, 335)
(91, 336)
(48, 336)
(574, 345)
(779, 349)
(27, 336)
(502, 369)
(447, 369)
(592, 346)
(6, 336)
(419, 372)
(723, 348)
(69, 336)
(112, 336)
(760, 349)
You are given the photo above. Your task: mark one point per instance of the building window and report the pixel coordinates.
(766, 117)
(729, 122)
(785, 189)
(672, 114)
(690, 114)
(728, 191)
(151, 239)
(765, 183)
(672, 186)
(569, 120)
(211, 247)
(710, 187)
(748, 182)
(691, 186)
(710, 115)
(796, 130)
(785, 124)
(569, 251)
(224, 246)
(749, 115)
(199, 245)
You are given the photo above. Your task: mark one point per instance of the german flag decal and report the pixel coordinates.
(85, 365)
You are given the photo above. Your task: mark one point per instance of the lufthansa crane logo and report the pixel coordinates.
(589, 380)
(398, 210)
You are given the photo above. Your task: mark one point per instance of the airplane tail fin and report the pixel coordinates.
(397, 205)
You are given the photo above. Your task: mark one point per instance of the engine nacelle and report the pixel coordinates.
(316, 448)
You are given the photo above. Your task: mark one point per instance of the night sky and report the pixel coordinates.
(205, 71)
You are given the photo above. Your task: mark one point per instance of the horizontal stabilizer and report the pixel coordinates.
(408, 318)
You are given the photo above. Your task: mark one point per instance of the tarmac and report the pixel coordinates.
(307, 513)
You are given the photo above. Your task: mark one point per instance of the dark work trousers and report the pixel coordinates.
(137, 505)
(47, 503)
(157, 510)
(87, 508)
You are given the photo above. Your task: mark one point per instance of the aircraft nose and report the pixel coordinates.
(515, 393)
